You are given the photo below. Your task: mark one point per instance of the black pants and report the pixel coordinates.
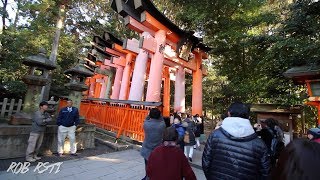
(145, 164)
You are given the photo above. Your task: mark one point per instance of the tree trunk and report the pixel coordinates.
(17, 14)
(4, 14)
(54, 51)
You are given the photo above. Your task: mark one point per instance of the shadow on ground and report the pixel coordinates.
(99, 149)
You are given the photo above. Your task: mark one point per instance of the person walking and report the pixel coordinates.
(67, 122)
(39, 121)
(167, 161)
(188, 146)
(181, 131)
(153, 127)
(197, 132)
(272, 135)
(234, 151)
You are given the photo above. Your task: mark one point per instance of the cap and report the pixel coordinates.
(43, 103)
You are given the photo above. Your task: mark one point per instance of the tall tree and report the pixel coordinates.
(4, 13)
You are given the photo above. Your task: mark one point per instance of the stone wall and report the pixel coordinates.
(14, 139)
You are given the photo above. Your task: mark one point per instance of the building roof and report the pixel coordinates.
(301, 73)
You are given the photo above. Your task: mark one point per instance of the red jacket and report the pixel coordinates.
(169, 162)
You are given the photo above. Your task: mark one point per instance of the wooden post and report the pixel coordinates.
(19, 105)
(4, 107)
(122, 123)
(11, 107)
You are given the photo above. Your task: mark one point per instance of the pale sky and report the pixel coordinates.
(11, 8)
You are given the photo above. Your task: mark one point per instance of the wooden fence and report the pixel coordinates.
(10, 107)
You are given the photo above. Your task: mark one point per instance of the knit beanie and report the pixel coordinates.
(315, 132)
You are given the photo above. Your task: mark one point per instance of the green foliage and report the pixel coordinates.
(13, 89)
(36, 29)
(253, 43)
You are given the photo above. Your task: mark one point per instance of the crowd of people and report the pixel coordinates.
(169, 144)
(236, 149)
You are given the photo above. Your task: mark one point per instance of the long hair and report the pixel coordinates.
(299, 161)
(271, 123)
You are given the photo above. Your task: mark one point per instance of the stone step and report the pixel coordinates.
(113, 134)
(108, 138)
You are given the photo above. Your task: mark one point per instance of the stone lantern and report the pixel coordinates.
(37, 77)
(77, 82)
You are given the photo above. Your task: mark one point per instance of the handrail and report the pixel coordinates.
(144, 103)
(123, 118)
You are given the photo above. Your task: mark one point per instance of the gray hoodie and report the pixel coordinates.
(153, 131)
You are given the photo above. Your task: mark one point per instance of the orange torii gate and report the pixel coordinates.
(170, 47)
(164, 52)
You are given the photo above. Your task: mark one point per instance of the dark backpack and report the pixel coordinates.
(197, 130)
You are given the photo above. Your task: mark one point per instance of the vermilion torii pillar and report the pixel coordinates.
(170, 47)
(138, 77)
(197, 86)
(104, 87)
(125, 83)
(155, 75)
(117, 83)
(166, 92)
(92, 87)
(179, 93)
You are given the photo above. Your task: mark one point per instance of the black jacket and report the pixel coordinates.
(228, 157)
(67, 118)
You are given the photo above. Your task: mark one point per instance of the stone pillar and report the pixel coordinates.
(138, 77)
(117, 83)
(179, 92)
(155, 75)
(32, 99)
(197, 87)
(125, 83)
(166, 92)
(76, 97)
